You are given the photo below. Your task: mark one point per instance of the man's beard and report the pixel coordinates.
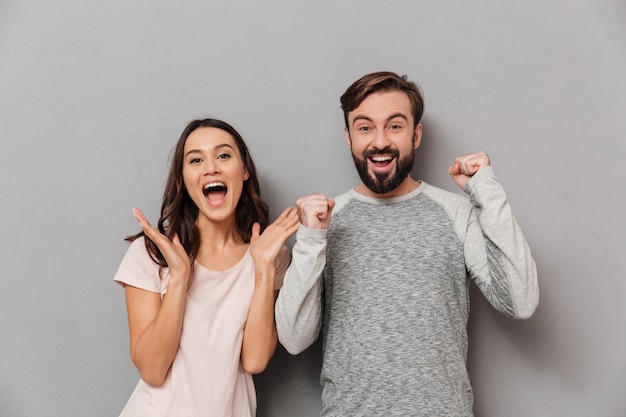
(387, 182)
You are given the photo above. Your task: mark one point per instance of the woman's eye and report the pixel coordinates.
(223, 156)
(195, 161)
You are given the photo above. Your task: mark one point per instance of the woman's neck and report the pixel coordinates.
(221, 246)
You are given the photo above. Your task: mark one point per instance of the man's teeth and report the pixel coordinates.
(381, 158)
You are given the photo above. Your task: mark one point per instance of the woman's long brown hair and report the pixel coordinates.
(179, 212)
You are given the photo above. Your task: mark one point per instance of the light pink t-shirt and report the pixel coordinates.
(206, 377)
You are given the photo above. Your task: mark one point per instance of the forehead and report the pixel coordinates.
(383, 104)
(205, 138)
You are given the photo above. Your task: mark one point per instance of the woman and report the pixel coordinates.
(200, 290)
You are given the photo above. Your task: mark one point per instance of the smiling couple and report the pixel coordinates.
(382, 272)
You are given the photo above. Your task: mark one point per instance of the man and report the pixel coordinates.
(384, 270)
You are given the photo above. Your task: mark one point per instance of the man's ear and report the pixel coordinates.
(348, 139)
(417, 136)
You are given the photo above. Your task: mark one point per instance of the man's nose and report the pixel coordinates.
(381, 140)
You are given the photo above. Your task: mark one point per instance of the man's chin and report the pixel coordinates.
(384, 183)
(379, 186)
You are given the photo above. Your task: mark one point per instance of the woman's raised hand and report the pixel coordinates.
(266, 246)
(173, 251)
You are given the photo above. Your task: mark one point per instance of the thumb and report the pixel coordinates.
(256, 229)
(454, 169)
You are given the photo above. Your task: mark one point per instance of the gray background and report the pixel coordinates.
(93, 96)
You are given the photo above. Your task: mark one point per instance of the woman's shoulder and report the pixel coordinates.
(138, 268)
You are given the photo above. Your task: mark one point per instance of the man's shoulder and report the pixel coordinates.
(343, 199)
(445, 198)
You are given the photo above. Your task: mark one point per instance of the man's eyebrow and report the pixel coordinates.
(216, 147)
(401, 115)
(361, 117)
(391, 117)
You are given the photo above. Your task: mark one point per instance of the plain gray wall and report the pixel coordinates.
(93, 96)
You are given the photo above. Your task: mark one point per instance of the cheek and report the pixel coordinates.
(408, 149)
(187, 180)
(357, 145)
(405, 144)
(242, 171)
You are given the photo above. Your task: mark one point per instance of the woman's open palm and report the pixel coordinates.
(265, 247)
(173, 251)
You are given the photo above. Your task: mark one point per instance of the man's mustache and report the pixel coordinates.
(386, 151)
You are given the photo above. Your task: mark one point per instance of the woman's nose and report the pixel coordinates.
(211, 167)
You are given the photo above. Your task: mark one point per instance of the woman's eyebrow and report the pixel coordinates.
(216, 147)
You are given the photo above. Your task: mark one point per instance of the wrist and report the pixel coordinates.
(264, 269)
(176, 282)
(264, 276)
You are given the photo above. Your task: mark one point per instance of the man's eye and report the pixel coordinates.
(364, 128)
(395, 127)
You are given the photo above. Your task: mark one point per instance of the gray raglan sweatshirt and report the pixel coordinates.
(388, 285)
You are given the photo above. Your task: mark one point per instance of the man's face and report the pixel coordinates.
(382, 140)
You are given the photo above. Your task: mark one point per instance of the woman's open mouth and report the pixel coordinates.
(215, 192)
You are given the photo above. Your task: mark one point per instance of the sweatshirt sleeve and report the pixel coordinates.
(299, 303)
(497, 255)
(282, 262)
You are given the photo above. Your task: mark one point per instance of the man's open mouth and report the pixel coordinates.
(381, 160)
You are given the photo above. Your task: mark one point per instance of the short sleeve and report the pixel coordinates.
(282, 263)
(137, 269)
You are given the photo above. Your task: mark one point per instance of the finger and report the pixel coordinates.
(326, 208)
(289, 226)
(292, 222)
(472, 162)
(310, 199)
(256, 228)
(148, 229)
(288, 220)
(293, 227)
(313, 209)
(287, 213)
(178, 246)
(472, 166)
(166, 247)
(462, 165)
(140, 217)
(454, 168)
(465, 167)
(292, 216)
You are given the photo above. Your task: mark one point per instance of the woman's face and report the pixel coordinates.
(213, 173)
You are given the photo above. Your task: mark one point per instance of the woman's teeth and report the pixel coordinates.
(214, 187)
